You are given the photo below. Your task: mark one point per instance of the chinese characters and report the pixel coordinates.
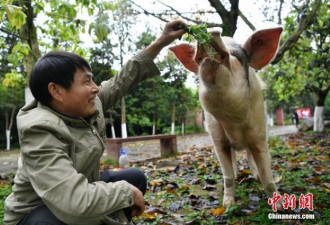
(305, 201)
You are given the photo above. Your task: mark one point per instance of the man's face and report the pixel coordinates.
(79, 100)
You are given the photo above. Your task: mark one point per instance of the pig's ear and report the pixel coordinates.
(185, 54)
(261, 46)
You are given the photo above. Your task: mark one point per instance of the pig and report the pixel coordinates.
(231, 96)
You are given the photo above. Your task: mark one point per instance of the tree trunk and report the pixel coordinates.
(182, 127)
(153, 124)
(319, 118)
(9, 125)
(113, 133)
(8, 139)
(229, 18)
(173, 119)
(28, 32)
(123, 119)
(320, 96)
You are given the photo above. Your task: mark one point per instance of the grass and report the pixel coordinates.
(301, 164)
(5, 190)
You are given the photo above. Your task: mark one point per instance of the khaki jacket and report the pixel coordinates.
(60, 158)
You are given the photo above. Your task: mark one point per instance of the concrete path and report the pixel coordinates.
(141, 151)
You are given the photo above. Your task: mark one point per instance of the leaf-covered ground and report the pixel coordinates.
(187, 189)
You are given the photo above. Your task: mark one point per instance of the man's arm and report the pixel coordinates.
(139, 67)
(170, 33)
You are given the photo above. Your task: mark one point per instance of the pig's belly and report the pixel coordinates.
(235, 139)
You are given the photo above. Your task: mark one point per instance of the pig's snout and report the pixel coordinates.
(214, 51)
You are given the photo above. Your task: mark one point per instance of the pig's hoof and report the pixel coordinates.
(228, 200)
(228, 197)
(279, 205)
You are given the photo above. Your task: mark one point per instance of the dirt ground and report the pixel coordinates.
(144, 150)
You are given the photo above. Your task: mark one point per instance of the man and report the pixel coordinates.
(296, 118)
(62, 136)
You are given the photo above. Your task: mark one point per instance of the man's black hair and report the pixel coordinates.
(58, 67)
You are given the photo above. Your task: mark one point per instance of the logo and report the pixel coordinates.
(289, 202)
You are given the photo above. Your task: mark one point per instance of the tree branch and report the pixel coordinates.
(159, 15)
(149, 13)
(12, 34)
(221, 10)
(246, 20)
(190, 19)
(279, 13)
(292, 39)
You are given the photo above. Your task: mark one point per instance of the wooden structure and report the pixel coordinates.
(168, 144)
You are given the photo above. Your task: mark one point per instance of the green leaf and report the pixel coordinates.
(91, 25)
(15, 16)
(13, 59)
(12, 79)
(101, 31)
(316, 84)
(90, 11)
(198, 32)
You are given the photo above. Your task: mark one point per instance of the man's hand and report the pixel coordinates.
(138, 207)
(172, 31)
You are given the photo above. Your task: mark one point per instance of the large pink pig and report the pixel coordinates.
(230, 93)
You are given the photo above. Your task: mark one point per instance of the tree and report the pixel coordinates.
(122, 21)
(60, 28)
(175, 76)
(102, 58)
(305, 68)
(149, 103)
(11, 95)
(187, 103)
(11, 82)
(145, 103)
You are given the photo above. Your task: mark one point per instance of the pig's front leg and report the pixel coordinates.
(223, 151)
(262, 159)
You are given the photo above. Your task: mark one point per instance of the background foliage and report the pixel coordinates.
(32, 27)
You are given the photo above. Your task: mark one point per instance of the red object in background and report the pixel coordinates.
(279, 117)
(304, 113)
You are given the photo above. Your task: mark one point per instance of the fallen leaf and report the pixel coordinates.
(209, 187)
(147, 216)
(218, 211)
(174, 207)
(277, 179)
(315, 179)
(157, 182)
(202, 166)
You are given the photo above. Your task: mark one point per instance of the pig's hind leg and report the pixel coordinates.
(234, 162)
(252, 164)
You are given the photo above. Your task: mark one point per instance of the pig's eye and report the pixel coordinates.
(223, 56)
